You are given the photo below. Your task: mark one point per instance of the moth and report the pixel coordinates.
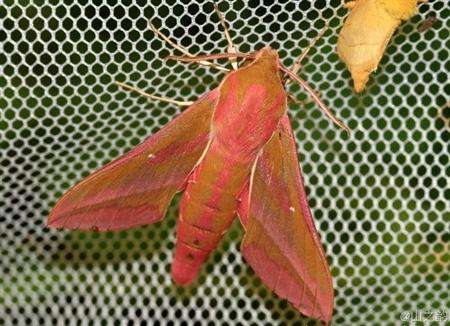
(366, 33)
(232, 153)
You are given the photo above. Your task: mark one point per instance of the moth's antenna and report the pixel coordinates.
(154, 97)
(182, 49)
(315, 97)
(298, 62)
(213, 56)
(231, 48)
(292, 74)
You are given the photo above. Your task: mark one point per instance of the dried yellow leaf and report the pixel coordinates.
(366, 33)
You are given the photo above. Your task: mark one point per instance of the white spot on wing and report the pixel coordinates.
(292, 209)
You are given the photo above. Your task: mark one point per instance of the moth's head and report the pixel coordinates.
(268, 57)
(267, 53)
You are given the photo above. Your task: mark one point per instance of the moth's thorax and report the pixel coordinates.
(250, 105)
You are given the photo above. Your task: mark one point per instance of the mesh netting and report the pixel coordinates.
(380, 198)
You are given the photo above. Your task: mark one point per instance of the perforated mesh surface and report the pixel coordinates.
(380, 198)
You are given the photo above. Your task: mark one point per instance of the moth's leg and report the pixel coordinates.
(154, 97)
(231, 48)
(182, 49)
(293, 99)
(298, 62)
(315, 98)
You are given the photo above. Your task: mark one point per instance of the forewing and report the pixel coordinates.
(136, 188)
(281, 243)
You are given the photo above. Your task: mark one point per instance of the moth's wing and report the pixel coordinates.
(136, 189)
(281, 243)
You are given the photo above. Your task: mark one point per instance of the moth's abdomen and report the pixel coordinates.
(207, 210)
(192, 249)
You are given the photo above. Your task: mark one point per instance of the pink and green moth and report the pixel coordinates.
(232, 153)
